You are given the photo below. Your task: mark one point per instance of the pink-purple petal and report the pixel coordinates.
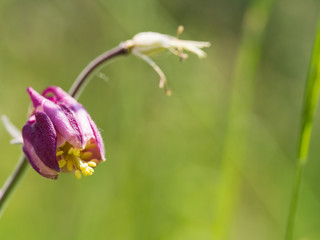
(75, 112)
(60, 95)
(36, 98)
(42, 136)
(84, 125)
(37, 163)
(98, 138)
(64, 122)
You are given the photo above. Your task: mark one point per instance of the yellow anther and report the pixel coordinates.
(89, 171)
(70, 150)
(180, 30)
(90, 145)
(92, 164)
(86, 155)
(70, 165)
(59, 153)
(84, 173)
(95, 161)
(62, 163)
(78, 174)
(76, 152)
(83, 166)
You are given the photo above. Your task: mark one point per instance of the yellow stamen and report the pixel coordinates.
(76, 152)
(83, 166)
(180, 30)
(70, 150)
(59, 153)
(86, 155)
(95, 161)
(89, 171)
(62, 163)
(78, 174)
(90, 145)
(92, 164)
(79, 161)
(70, 165)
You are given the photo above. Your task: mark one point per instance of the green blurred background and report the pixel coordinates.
(213, 161)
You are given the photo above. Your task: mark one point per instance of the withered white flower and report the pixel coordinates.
(146, 44)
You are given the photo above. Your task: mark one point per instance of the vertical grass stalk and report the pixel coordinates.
(235, 145)
(310, 103)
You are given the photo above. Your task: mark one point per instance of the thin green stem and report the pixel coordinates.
(11, 182)
(294, 201)
(309, 106)
(78, 85)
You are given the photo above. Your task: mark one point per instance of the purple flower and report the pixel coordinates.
(60, 135)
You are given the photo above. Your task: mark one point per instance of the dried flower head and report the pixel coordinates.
(146, 44)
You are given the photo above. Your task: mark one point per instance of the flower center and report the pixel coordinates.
(76, 160)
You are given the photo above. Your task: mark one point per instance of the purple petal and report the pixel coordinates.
(43, 138)
(84, 125)
(60, 95)
(57, 91)
(98, 138)
(64, 122)
(36, 98)
(74, 111)
(40, 145)
(36, 163)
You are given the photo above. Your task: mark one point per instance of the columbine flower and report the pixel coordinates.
(147, 44)
(60, 135)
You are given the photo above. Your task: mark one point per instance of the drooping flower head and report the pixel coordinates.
(60, 135)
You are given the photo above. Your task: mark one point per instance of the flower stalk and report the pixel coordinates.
(79, 83)
(311, 97)
(12, 182)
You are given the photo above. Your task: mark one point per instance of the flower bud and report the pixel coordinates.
(60, 135)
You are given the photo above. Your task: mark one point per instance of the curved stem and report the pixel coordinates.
(74, 91)
(93, 65)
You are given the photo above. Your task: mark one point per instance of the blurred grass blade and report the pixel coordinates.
(310, 103)
(235, 145)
